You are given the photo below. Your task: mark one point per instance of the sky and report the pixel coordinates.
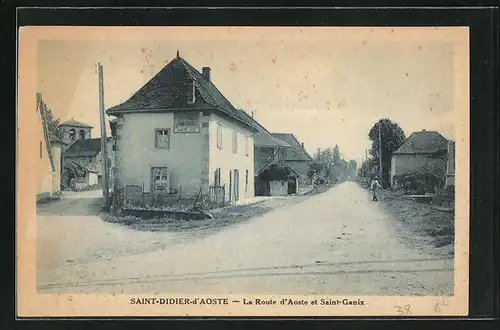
(328, 86)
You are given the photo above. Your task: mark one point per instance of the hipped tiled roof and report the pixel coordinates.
(423, 142)
(296, 152)
(85, 148)
(262, 137)
(168, 89)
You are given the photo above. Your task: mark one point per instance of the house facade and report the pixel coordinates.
(297, 159)
(179, 135)
(424, 152)
(86, 153)
(266, 150)
(49, 160)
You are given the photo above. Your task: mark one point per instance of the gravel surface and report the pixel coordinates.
(336, 242)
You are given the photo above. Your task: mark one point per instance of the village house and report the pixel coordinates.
(298, 160)
(283, 168)
(49, 158)
(84, 152)
(179, 135)
(422, 152)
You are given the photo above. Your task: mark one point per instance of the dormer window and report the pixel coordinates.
(82, 134)
(191, 95)
(72, 134)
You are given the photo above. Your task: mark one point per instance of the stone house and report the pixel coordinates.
(84, 151)
(297, 159)
(87, 153)
(178, 134)
(424, 151)
(284, 167)
(49, 160)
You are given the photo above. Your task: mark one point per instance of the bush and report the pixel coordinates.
(445, 197)
(419, 184)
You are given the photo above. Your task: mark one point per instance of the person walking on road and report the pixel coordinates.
(374, 186)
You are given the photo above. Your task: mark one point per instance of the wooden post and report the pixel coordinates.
(104, 149)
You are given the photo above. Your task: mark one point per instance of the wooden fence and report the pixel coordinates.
(134, 196)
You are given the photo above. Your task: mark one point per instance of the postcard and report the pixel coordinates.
(242, 171)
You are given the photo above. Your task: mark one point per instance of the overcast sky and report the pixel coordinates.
(326, 85)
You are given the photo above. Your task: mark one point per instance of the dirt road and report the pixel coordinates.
(337, 242)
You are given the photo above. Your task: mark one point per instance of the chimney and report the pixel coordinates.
(205, 72)
(302, 145)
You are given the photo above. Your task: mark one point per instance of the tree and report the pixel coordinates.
(73, 170)
(366, 168)
(52, 123)
(352, 167)
(330, 165)
(315, 169)
(392, 136)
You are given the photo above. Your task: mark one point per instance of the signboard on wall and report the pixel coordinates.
(186, 122)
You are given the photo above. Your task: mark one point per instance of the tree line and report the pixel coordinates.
(330, 167)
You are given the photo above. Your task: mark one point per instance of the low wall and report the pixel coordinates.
(151, 214)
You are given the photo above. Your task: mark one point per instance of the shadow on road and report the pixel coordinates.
(222, 274)
(75, 205)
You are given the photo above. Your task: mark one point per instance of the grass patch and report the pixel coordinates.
(421, 219)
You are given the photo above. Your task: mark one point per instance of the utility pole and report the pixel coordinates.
(380, 150)
(104, 148)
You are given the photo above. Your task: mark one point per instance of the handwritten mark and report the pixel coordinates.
(403, 310)
(438, 306)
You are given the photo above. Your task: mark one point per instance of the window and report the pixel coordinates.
(246, 181)
(162, 138)
(217, 178)
(82, 134)
(219, 136)
(247, 146)
(235, 142)
(41, 150)
(159, 179)
(72, 134)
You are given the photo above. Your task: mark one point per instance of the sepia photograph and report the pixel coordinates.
(248, 169)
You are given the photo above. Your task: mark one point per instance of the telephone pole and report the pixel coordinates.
(380, 150)
(104, 148)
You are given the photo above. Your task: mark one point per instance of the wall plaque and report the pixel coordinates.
(187, 122)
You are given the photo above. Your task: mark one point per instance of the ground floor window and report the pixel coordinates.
(246, 181)
(159, 179)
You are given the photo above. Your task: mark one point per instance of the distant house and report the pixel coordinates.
(424, 151)
(86, 153)
(285, 172)
(297, 158)
(49, 159)
(178, 133)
